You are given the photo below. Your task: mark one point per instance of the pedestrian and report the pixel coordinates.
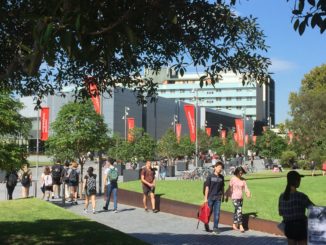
(111, 180)
(11, 182)
(25, 177)
(73, 178)
(56, 172)
(313, 167)
(65, 180)
(324, 168)
(89, 188)
(162, 169)
(235, 190)
(292, 207)
(214, 194)
(47, 182)
(147, 177)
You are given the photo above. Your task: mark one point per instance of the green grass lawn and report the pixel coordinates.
(265, 188)
(33, 221)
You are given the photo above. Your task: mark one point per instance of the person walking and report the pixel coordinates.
(56, 172)
(313, 167)
(25, 177)
(65, 180)
(73, 181)
(162, 169)
(214, 195)
(292, 207)
(11, 182)
(46, 180)
(89, 187)
(147, 177)
(235, 190)
(111, 180)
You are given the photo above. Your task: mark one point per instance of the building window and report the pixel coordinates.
(228, 98)
(182, 90)
(172, 91)
(210, 101)
(218, 90)
(210, 92)
(162, 91)
(238, 107)
(218, 99)
(249, 99)
(238, 90)
(239, 98)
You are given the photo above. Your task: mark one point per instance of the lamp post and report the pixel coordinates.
(125, 118)
(196, 143)
(244, 133)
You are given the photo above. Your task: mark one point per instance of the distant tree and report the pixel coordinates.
(167, 146)
(77, 130)
(308, 113)
(46, 45)
(186, 147)
(14, 129)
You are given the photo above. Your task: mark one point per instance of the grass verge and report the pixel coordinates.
(264, 186)
(32, 221)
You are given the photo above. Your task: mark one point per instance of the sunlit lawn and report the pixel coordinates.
(33, 221)
(265, 188)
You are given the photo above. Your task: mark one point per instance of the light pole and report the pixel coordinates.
(196, 143)
(125, 118)
(244, 133)
(175, 120)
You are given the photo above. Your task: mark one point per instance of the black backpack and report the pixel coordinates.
(91, 183)
(73, 176)
(56, 172)
(25, 179)
(12, 179)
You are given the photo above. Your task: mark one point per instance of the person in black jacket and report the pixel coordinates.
(11, 182)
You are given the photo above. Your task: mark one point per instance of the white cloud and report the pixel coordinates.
(279, 65)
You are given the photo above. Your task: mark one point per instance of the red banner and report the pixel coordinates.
(131, 125)
(208, 132)
(178, 127)
(254, 138)
(223, 133)
(190, 115)
(290, 135)
(93, 91)
(239, 129)
(235, 137)
(45, 123)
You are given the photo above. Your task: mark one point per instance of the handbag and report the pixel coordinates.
(203, 213)
(43, 188)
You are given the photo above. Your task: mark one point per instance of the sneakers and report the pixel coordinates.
(155, 211)
(93, 211)
(215, 232)
(115, 211)
(146, 210)
(85, 211)
(105, 208)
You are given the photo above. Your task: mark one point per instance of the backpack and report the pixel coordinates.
(91, 184)
(47, 180)
(113, 174)
(73, 176)
(25, 179)
(56, 172)
(12, 179)
(64, 175)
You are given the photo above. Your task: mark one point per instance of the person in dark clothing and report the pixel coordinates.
(214, 194)
(11, 182)
(292, 207)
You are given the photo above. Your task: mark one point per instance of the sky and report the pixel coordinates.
(292, 55)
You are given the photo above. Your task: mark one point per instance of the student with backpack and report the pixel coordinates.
(73, 178)
(25, 177)
(147, 177)
(111, 181)
(56, 172)
(11, 182)
(65, 180)
(47, 182)
(89, 188)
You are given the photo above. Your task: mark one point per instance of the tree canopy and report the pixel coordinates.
(308, 113)
(46, 45)
(14, 128)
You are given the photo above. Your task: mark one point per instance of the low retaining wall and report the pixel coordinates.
(190, 210)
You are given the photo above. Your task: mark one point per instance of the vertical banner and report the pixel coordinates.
(223, 134)
(254, 138)
(235, 137)
(208, 132)
(44, 123)
(93, 91)
(178, 127)
(290, 135)
(190, 115)
(131, 125)
(239, 130)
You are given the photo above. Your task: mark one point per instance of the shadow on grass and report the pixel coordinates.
(62, 231)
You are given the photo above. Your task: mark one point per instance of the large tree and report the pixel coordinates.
(46, 45)
(77, 130)
(14, 129)
(309, 114)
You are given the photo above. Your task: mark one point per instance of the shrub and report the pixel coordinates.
(288, 158)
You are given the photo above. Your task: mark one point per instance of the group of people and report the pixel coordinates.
(24, 175)
(292, 203)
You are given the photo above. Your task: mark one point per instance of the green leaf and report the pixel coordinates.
(296, 24)
(77, 24)
(48, 33)
(302, 27)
